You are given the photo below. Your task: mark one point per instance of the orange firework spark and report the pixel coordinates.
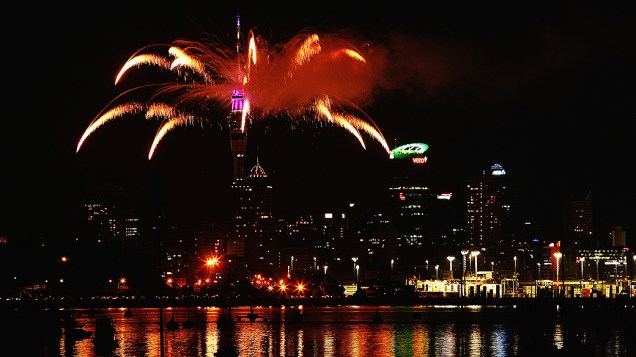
(312, 75)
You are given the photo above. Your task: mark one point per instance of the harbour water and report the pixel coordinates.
(323, 331)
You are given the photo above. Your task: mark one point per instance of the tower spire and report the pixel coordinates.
(238, 47)
(257, 170)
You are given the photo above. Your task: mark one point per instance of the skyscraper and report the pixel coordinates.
(487, 208)
(410, 195)
(259, 228)
(578, 222)
(103, 220)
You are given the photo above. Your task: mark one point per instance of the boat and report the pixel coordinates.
(187, 323)
(105, 338)
(172, 324)
(251, 316)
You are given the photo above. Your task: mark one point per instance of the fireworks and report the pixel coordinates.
(312, 77)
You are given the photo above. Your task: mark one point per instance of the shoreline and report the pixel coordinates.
(523, 304)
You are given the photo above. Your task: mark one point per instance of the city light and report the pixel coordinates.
(582, 260)
(354, 259)
(558, 256)
(212, 262)
(464, 253)
(475, 253)
(514, 281)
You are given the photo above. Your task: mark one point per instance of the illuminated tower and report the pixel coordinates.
(238, 145)
(238, 134)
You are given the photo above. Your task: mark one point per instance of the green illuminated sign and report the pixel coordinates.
(409, 151)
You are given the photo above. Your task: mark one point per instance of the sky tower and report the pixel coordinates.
(238, 135)
(238, 145)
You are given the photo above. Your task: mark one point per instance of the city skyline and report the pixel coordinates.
(547, 98)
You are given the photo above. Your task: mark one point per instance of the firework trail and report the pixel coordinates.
(311, 77)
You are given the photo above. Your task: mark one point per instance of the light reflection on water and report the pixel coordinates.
(327, 331)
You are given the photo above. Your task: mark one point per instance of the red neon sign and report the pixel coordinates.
(419, 160)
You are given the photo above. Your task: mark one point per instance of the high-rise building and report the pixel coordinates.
(487, 208)
(209, 245)
(422, 217)
(178, 249)
(411, 197)
(103, 220)
(578, 222)
(618, 237)
(259, 229)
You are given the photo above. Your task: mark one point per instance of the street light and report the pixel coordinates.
(325, 269)
(536, 282)
(514, 282)
(450, 261)
(464, 253)
(475, 254)
(355, 259)
(633, 275)
(462, 292)
(558, 256)
(357, 272)
(392, 261)
(582, 259)
(122, 281)
(315, 264)
(616, 275)
(596, 258)
(436, 272)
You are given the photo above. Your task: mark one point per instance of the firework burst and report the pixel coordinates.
(311, 77)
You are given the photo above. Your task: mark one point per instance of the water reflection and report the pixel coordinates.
(327, 331)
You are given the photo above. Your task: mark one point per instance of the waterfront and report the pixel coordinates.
(420, 330)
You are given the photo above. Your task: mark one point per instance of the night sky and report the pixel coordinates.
(547, 92)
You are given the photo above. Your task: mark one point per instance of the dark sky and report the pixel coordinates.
(545, 91)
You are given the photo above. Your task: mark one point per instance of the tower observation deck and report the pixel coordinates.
(238, 137)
